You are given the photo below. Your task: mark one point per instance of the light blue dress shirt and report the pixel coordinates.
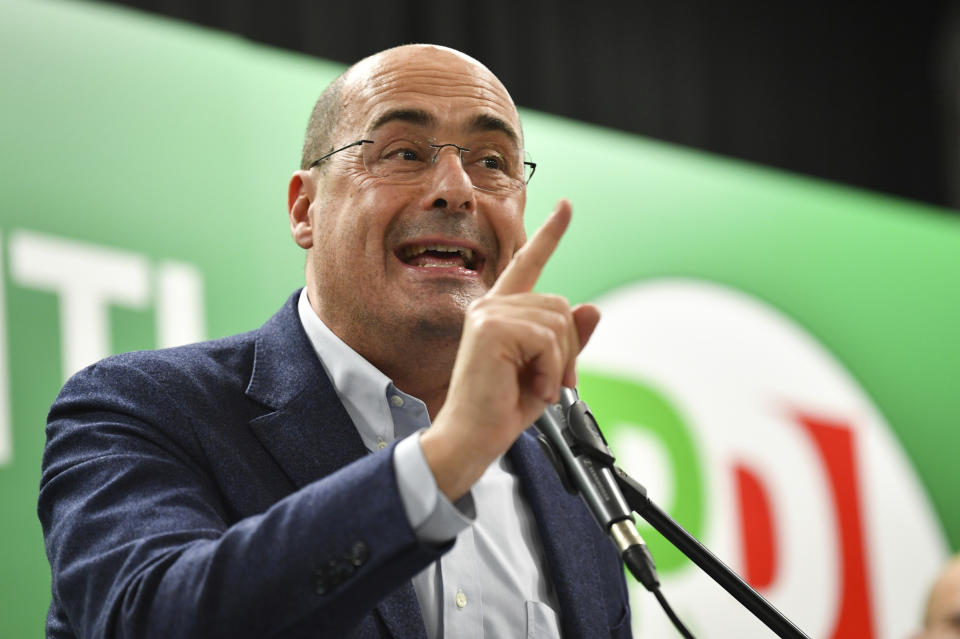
(494, 581)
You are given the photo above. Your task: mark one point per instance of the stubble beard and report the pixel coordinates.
(418, 345)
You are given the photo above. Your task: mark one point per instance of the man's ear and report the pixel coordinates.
(298, 205)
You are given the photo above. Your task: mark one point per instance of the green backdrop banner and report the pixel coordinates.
(144, 167)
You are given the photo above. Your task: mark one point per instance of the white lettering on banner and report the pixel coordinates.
(87, 279)
(180, 317)
(6, 437)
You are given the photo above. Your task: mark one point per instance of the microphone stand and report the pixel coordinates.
(578, 431)
(636, 496)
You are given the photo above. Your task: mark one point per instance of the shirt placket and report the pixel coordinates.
(462, 592)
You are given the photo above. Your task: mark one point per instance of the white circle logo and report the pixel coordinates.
(791, 475)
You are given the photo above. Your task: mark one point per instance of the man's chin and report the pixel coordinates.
(439, 331)
(439, 314)
(445, 324)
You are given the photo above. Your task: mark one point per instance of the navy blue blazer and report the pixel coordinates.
(221, 490)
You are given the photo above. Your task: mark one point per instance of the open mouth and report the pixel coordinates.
(440, 256)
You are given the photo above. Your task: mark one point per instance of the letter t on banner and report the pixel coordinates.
(87, 278)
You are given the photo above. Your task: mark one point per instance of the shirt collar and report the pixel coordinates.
(362, 388)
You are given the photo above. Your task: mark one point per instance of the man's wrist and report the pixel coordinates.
(431, 514)
(454, 470)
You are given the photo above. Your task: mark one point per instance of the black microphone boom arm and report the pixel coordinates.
(572, 441)
(636, 496)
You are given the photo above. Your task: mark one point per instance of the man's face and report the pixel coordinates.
(390, 259)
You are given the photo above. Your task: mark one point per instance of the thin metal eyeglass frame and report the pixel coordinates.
(342, 148)
(438, 147)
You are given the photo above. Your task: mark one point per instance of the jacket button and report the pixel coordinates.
(359, 554)
(320, 583)
(334, 577)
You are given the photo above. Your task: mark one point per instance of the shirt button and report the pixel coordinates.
(396, 400)
(381, 444)
(461, 599)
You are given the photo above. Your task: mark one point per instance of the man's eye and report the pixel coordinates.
(492, 162)
(405, 154)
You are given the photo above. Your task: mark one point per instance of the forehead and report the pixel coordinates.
(455, 93)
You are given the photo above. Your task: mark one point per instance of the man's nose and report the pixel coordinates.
(449, 186)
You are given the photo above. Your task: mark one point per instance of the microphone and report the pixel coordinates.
(575, 446)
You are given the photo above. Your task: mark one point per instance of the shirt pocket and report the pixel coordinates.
(542, 621)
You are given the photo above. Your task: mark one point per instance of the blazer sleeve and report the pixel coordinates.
(141, 543)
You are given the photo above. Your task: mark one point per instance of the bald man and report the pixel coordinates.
(942, 617)
(359, 466)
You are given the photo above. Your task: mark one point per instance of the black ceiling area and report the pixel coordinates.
(866, 94)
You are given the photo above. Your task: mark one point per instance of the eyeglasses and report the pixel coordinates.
(403, 160)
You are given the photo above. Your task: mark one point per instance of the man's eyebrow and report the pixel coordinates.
(481, 122)
(487, 122)
(413, 116)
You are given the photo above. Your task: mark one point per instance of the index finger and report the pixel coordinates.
(524, 269)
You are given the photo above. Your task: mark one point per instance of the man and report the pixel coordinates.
(942, 617)
(252, 486)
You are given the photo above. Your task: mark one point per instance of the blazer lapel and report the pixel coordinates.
(309, 438)
(564, 523)
(309, 433)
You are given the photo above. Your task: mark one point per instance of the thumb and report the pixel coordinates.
(585, 317)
